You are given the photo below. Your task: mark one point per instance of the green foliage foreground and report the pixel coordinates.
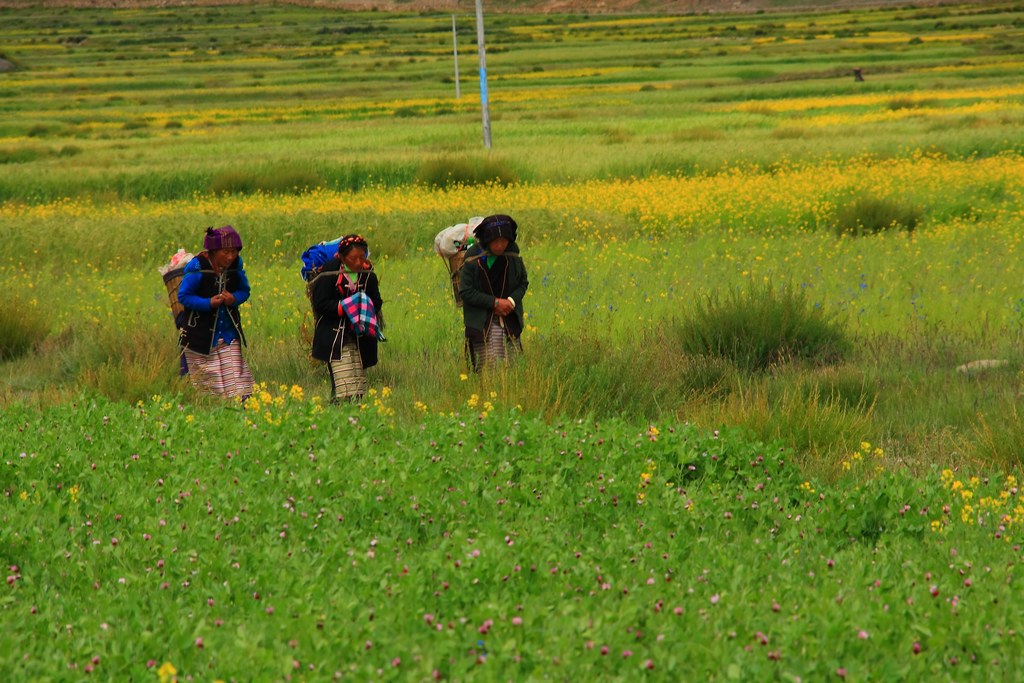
(281, 541)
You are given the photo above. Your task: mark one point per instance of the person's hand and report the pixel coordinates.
(228, 298)
(502, 307)
(216, 301)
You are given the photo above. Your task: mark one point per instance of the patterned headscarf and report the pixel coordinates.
(350, 242)
(224, 237)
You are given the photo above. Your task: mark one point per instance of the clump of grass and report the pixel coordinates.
(280, 179)
(871, 215)
(451, 171)
(408, 112)
(819, 430)
(22, 327)
(22, 154)
(789, 133)
(898, 103)
(760, 327)
(617, 136)
(123, 363)
(698, 134)
(1000, 442)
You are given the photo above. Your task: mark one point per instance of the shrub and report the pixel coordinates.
(762, 326)
(22, 326)
(870, 215)
(449, 171)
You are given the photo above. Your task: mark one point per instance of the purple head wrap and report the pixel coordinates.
(224, 237)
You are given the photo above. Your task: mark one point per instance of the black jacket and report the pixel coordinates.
(331, 330)
(480, 286)
(198, 327)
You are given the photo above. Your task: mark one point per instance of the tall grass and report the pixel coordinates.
(870, 215)
(23, 327)
(762, 326)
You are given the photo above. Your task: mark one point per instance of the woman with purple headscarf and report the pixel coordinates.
(214, 285)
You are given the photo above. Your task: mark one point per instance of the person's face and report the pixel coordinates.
(498, 245)
(223, 258)
(354, 258)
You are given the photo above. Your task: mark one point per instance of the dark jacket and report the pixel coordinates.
(198, 321)
(331, 328)
(479, 286)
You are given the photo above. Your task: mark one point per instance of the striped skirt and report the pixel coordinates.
(348, 376)
(495, 347)
(222, 373)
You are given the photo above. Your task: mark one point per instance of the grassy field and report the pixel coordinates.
(166, 103)
(620, 503)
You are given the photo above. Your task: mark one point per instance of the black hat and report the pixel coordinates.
(496, 226)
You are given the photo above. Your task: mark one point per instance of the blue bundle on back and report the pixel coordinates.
(314, 258)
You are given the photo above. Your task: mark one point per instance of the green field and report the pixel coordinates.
(741, 443)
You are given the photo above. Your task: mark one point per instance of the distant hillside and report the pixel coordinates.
(528, 6)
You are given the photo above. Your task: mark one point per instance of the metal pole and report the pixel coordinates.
(484, 107)
(455, 49)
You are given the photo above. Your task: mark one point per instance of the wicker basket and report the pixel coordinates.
(172, 279)
(455, 262)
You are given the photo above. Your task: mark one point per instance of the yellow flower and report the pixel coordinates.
(166, 672)
(73, 493)
(463, 376)
(24, 495)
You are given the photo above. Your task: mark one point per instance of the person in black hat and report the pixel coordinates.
(492, 284)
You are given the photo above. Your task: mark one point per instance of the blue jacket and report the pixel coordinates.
(201, 326)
